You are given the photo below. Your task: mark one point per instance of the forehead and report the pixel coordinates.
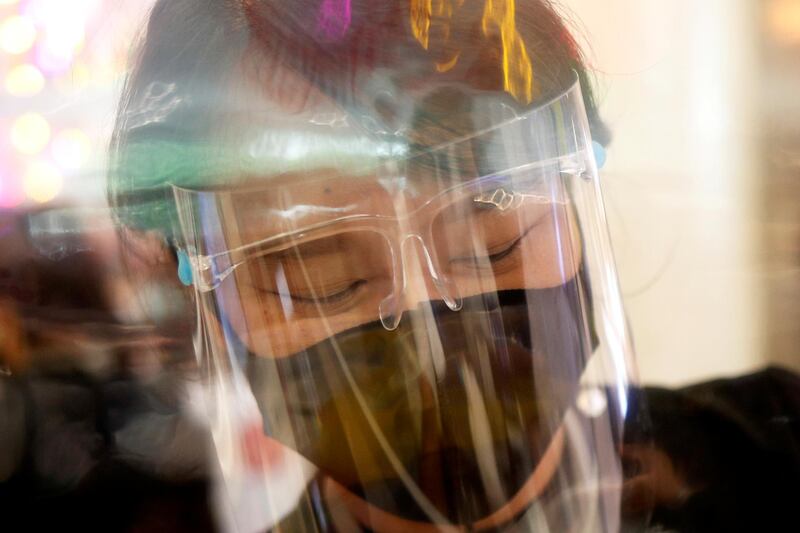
(295, 201)
(293, 136)
(283, 128)
(307, 157)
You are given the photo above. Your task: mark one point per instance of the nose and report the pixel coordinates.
(418, 280)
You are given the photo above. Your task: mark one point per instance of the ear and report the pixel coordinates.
(155, 292)
(147, 250)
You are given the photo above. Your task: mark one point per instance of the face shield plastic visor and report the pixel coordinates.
(420, 333)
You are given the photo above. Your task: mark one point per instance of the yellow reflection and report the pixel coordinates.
(42, 181)
(71, 149)
(517, 68)
(24, 80)
(423, 10)
(447, 65)
(17, 35)
(30, 133)
(80, 76)
(783, 17)
(498, 15)
(421, 20)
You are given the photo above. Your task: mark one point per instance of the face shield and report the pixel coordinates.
(435, 342)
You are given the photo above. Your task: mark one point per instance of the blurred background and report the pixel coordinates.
(94, 426)
(703, 179)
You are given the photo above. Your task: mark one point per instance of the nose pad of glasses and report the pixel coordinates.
(389, 312)
(448, 292)
(390, 308)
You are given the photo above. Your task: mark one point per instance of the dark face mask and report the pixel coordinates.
(465, 403)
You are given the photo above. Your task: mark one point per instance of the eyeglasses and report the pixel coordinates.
(466, 234)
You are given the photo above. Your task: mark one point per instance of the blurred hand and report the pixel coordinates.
(13, 348)
(658, 481)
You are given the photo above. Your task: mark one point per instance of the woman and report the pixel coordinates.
(390, 218)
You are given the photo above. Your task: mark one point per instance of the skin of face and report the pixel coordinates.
(314, 285)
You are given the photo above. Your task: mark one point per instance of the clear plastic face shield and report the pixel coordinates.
(435, 344)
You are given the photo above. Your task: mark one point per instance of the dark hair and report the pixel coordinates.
(181, 93)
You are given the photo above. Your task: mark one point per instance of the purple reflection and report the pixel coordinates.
(53, 62)
(333, 19)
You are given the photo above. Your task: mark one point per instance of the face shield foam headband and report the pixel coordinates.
(420, 332)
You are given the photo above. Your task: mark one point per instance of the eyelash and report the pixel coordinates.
(340, 297)
(495, 258)
(499, 256)
(329, 300)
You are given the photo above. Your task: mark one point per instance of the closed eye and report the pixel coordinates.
(325, 299)
(494, 258)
